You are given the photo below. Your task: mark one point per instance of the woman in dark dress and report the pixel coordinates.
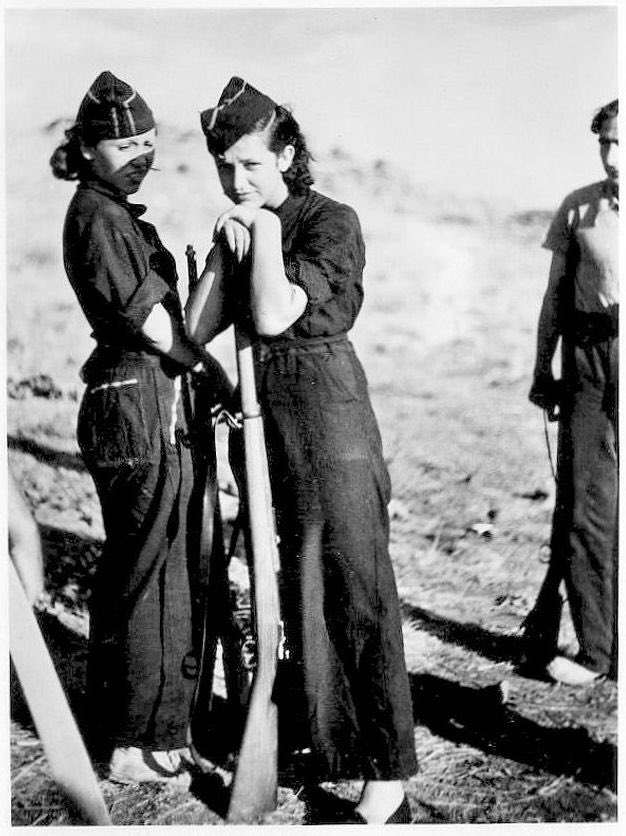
(131, 435)
(288, 262)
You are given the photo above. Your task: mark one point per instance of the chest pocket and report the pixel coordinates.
(119, 421)
(598, 245)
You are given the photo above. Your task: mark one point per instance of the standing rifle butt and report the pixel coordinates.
(255, 782)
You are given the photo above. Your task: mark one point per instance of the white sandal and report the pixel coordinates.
(132, 765)
(565, 670)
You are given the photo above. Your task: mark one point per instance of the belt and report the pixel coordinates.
(104, 357)
(591, 328)
(112, 352)
(269, 348)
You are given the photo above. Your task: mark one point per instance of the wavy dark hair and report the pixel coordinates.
(283, 130)
(67, 161)
(607, 112)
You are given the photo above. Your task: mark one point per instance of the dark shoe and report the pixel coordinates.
(402, 815)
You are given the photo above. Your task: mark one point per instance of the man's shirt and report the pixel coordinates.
(586, 226)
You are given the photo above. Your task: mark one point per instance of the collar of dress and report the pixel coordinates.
(135, 209)
(610, 191)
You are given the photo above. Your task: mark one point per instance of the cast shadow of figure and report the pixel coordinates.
(515, 649)
(478, 717)
(45, 454)
(494, 646)
(71, 560)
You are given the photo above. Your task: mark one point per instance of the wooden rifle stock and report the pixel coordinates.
(254, 786)
(62, 742)
(542, 624)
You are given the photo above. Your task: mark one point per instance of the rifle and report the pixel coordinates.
(68, 759)
(212, 610)
(203, 501)
(541, 627)
(254, 785)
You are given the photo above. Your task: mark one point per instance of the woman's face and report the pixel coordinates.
(123, 162)
(250, 173)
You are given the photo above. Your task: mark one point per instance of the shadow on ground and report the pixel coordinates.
(45, 454)
(492, 646)
(477, 717)
(71, 561)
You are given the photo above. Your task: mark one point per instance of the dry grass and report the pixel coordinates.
(446, 336)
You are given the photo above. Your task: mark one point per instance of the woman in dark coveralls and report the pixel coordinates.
(130, 433)
(299, 258)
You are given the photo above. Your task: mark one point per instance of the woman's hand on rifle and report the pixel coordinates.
(235, 236)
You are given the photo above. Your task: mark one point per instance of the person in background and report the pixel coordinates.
(287, 264)
(581, 307)
(131, 433)
(24, 543)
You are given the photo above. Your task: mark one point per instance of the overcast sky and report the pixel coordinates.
(487, 101)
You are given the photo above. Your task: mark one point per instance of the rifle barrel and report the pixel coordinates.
(192, 268)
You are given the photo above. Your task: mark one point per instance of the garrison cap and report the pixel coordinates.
(238, 111)
(112, 109)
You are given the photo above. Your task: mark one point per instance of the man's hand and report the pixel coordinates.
(545, 392)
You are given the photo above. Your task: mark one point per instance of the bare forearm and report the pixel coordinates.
(207, 311)
(547, 336)
(276, 303)
(550, 326)
(169, 338)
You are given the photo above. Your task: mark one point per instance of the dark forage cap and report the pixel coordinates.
(238, 111)
(112, 109)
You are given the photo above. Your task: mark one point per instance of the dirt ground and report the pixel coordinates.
(447, 337)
